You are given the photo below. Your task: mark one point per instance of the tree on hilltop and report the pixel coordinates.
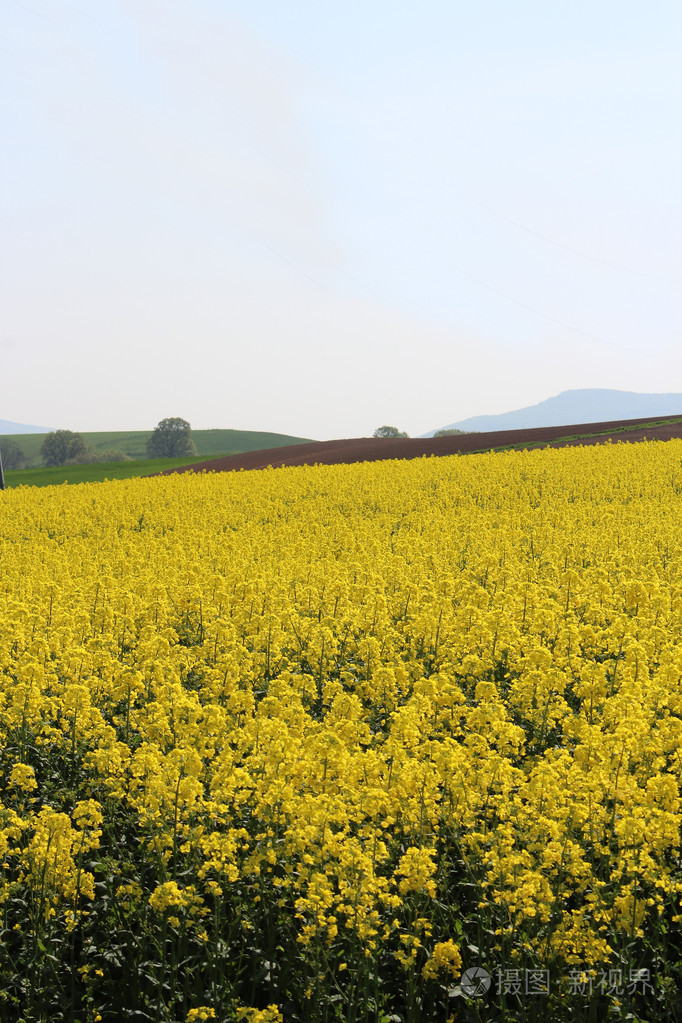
(171, 438)
(389, 431)
(62, 446)
(12, 455)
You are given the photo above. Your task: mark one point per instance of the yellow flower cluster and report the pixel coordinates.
(446, 958)
(201, 1013)
(363, 693)
(269, 1015)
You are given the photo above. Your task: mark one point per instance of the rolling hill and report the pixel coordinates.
(132, 442)
(371, 449)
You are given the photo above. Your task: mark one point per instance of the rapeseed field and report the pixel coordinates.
(396, 741)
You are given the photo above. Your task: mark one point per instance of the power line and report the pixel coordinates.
(545, 316)
(568, 248)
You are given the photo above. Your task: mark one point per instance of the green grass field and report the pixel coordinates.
(96, 472)
(209, 444)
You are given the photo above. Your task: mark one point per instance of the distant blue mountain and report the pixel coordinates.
(590, 405)
(7, 427)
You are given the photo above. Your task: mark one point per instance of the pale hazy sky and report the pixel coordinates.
(317, 218)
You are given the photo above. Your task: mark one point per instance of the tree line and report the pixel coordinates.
(171, 438)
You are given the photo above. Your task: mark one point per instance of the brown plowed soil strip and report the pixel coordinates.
(369, 449)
